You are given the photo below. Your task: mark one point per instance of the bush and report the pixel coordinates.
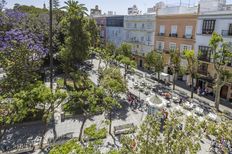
(92, 133)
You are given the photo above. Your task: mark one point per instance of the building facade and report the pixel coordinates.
(95, 12)
(140, 33)
(209, 22)
(114, 30)
(133, 10)
(175, 32)
(101, 22)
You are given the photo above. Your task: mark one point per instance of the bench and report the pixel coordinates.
(124, 129)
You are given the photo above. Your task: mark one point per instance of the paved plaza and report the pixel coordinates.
(32, 132)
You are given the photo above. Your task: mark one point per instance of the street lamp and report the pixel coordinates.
(50, 45)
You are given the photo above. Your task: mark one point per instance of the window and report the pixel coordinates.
(135, 25)
(149, 37)
(188, 31)
(184, 47)
(149, 25)
(172, 45)
(159, 45)
(128, 25)
(203, 68)
(162, 29)
(142, 39)
(230, 30)
(205, 53)
(174, 29)
(208, 26)
(142, 25)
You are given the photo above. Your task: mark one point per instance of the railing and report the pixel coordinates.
(161, 34)
(204, 58)
(203, 72)
(188, 36)
(226, 33)
(173, 35)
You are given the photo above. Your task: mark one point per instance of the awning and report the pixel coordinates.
(205, 78)
(164, 74)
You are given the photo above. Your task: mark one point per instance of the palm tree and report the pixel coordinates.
(72, 5)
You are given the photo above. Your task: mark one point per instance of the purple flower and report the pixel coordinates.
(33, 42)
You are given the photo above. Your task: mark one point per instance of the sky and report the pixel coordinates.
(118, 6)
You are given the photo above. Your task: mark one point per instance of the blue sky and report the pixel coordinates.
(118, 6)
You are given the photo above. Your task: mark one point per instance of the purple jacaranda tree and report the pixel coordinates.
(11, 18)
(32, 41)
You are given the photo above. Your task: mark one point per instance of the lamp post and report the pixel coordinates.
(50, 45)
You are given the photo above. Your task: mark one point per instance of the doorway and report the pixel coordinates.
(224, 92)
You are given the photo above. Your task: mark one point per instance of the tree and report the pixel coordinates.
(124, 56)
(76, 47)
(113, 83)
(154, 61)
(93, 29)
(125, 50)
(46, 101)
(72, 146)
(221, 57)
(21, 66)
(128, 64)
(89, 101)
(56, 4)
(2, 4)
(192, 66)
(13, 110)
(150, 139)
(175, 60)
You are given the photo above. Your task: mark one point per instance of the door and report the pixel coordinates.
(224, 92)
(140, 63)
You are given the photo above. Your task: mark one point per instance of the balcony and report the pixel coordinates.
(188, 36)
(226, 33)
(173, 35)
(207, 32)
(202, 72)
(161, 34)
(204, 58)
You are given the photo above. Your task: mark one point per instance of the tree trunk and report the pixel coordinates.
(107, 63)
(174, 80)
(125, 72)
(44, 131)
(158, 76)
(192, 88)
(217, 96)
(81, 129)
(99, 64)
(65, 78)
(110, 119)
(2, 132)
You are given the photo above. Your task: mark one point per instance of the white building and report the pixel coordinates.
(115, 32)
(140, 33)
(133, 10)
(211, 5)
(209, 22)
(155, 8)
